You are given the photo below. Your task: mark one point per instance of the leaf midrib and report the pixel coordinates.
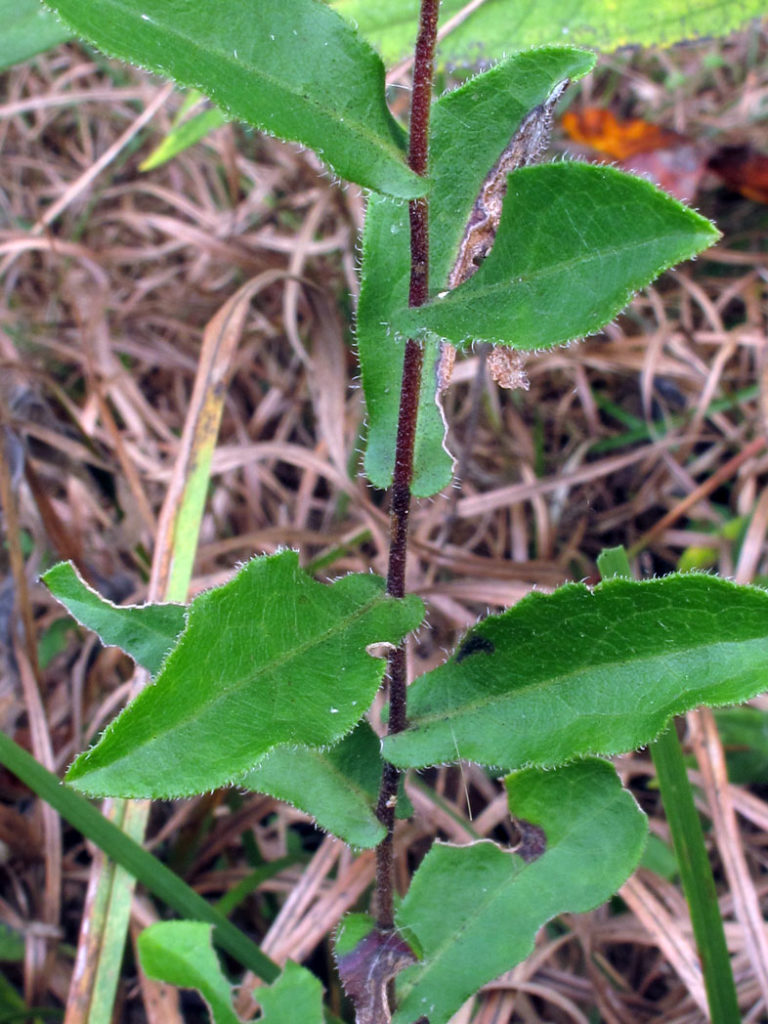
(483, 291)
(508, 697)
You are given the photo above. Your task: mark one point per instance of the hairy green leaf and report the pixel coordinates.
(180, 953)
(27, 28)
(146, 632)
(301, 73)
(433, 463)
(381, 360)
(475, 120)
(587, 671)
(271, 657)
(337, 787)
(574, 244)
(296, 995)
(582, 837)
(498, 26)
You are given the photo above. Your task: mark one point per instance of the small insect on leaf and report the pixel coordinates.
(474, 644)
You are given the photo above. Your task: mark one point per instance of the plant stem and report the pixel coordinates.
(418, 159)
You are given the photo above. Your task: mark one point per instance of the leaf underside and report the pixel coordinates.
(575, 242)
(337, 787)
(303, 74)
(145, 632)
(587, 671)
(479, 119)
(270, 658)
(593, 835)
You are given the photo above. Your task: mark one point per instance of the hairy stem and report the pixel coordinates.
(418, 158)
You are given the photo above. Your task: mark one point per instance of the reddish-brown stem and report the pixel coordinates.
(418, 158)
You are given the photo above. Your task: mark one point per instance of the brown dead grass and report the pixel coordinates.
(108, 277)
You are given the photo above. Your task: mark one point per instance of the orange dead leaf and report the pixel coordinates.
(619, 140)
(667, 158)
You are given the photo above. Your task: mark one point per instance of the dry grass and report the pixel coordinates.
(108, 277)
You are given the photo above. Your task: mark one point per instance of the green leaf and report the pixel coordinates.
(300, 72)
(612, 562)
(271, 657)
(433, 463)
(180, 953)
(499, 26)
(593, 834)
(28, 28)
(587, 671)
(337, 787)
(478, 119)
(183, 134)
(384, 275)
(297, 995)
(381, 367)
(146, 632)
(575, 242)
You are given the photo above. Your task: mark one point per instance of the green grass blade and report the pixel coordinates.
(145, 868)
(696, 875)
(183, 135)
